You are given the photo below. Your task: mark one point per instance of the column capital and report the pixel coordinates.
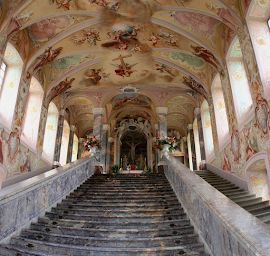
(162, 110)
(81, 140)
(106, 127)
(73, 128)
(185, 139)
(197, 111)
(98, 111)
(201, 144)
(190, 126)
(62, 112)
(156, 126)
(110, 139)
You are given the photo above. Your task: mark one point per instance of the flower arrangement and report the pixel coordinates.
(90, 142)
(167, 140)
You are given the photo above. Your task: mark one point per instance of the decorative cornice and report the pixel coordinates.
(197, 111)
(106, 127)
(73, 128)
(62, 112)
(162, 110)
(98, 111)
(190, 126)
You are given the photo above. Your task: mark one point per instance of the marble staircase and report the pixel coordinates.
(248, 201)
(112, 215)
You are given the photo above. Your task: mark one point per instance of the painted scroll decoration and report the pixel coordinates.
(13, 145)
(235, 144)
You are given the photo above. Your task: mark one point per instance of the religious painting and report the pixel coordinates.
(235, 144)
(131, 99)
(258, 185)
(134, 150)
(226, 163)
(262, 115)
(25, 166)
(13, 145)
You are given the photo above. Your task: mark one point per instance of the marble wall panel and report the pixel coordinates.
(25, 200)
(226, 228)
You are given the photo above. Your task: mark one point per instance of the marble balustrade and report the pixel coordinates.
(24, 201)
(225, 228)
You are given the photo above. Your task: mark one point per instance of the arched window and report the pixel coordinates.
(32, 114)
(197, 143)
(64, 143)
(50, 133)
(257, 21)
(220, 113)
(207, 134)
(75, 148)
(10, 74)
(239, 83)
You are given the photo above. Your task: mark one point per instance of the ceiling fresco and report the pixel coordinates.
(166, 49)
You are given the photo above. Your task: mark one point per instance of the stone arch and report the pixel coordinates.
(257, 175)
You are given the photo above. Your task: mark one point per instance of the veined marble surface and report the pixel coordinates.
(226, 228)
(25, 200)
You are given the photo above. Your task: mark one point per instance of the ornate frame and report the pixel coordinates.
(14, 133)
(260, 101)
(235, 137)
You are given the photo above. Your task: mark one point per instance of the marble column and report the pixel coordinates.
(104, 144)
(218, 162)
(98, 132)
(162, 132)
(197, 113)
(80, 147)
(162, 122)
(59, 138)
(109, 153)
(70, 143)
(186, 151)
(192, 144)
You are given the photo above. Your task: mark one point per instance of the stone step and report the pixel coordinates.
(244, 195)
(122, 196)
(141, 226)
(220, 183)
(265, 217)
(209, 180)
(116, 186)
(256, 205)
(232, 191)
(112, 232)
(120, 207)
(249, 201)
(112, 242)
(260, 209)
(131, 190)
(109, 219)
(223, 186)
(227, 189)
(125, 202)
(75, 250)
(117, 213)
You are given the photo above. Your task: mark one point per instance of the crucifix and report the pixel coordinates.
(123, 64)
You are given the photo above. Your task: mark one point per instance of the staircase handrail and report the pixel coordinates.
(228, 176)
(225, 228)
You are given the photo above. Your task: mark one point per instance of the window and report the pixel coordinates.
(32, 114)
(2, 74)
(207, 132)
(64, 143)
(10, 74)
(50, 133)
(258, 24)
(220, 113)
(239, 84)
(75, 148)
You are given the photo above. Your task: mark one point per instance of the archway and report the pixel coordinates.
(134, 150)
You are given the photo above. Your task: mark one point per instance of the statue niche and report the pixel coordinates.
(134, 150)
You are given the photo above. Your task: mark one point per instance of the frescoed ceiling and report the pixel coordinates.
(163, 49)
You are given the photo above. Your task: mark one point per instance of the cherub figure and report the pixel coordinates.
(154, 39)
(48, 56)
(63, 3)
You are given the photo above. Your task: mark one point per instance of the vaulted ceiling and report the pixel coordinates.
(111, 46)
